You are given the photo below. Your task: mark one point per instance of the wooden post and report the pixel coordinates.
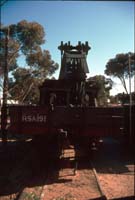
(5, 92)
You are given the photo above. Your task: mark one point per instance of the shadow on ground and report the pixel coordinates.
(113, 157)
(22, 166)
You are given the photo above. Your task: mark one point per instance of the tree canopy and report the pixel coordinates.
(103, 86)
(119, 67)
(25, 38)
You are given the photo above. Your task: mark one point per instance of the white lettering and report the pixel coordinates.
(33, 118)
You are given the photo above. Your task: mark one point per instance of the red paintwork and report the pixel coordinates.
(39, 120)
(20, 126)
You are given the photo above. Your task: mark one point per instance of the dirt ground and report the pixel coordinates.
(117, 185)
(70, 186)
(115, 168)
(113, 163)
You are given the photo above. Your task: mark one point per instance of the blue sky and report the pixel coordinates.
(108, 26)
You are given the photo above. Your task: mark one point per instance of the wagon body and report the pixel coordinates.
(40, 120)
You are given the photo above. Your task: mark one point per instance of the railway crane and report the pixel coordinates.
(68, 104)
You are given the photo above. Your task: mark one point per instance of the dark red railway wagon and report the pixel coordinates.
(40, 120)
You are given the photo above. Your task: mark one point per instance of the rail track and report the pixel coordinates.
(70, 177)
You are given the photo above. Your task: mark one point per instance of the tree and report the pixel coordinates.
(113, 99)
(24, 86)
(103, 85)
(21, 85)
(42, 63)
(8, 57)
(25, 38)
(12, 55)
(119, 67)
(15, 39)
(124, 98)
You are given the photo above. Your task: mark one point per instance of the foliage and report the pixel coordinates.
(119, 67)
(29, 34)
(24, 86)
(125, 98)
(42, 63)
(25, 38)
(103, 86)
(13, 54)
